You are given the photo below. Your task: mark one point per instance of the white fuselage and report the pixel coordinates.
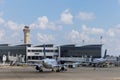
(49, 63)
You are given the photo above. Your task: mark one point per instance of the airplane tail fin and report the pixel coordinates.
(105, 54)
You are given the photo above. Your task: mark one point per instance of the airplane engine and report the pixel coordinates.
(63, 68)
(39, 68)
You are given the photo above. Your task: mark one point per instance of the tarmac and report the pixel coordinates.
(80, 73)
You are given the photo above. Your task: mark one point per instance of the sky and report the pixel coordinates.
(60, 22)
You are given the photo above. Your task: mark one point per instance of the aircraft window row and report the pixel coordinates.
(42, 50)
(34, 57)
(50, 51)
(37, 57)
(34, 50)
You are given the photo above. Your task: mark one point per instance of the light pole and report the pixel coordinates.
(101, 39)
(83, 41)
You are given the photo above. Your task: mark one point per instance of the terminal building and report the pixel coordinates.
(33, 53)
(8, 50)
(79, 53)
(26, 52)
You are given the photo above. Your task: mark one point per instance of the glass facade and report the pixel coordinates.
(12, 51)
(88, 50)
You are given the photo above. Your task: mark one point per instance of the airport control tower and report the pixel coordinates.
(26, 31)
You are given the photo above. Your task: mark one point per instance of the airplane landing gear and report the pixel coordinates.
(57, 70)
(52, 70)
(38, 68)
(63, 68)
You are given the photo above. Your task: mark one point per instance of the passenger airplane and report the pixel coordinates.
(49, 64)
(100, 61)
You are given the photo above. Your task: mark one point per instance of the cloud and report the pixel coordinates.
(15, 34)
(1, 21)
(43, 38)
(43, 23)
(86, 33)
(76, 36)
(54, 26)
(40, 23)
(114, 31)
(1, 14)
(10, 31)
(14, 26)
(2, 1)
(118, 1)
(73, 36)
(111, 33)
(66, 17)
(92, 30)
(2, 33)
(85, 16)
